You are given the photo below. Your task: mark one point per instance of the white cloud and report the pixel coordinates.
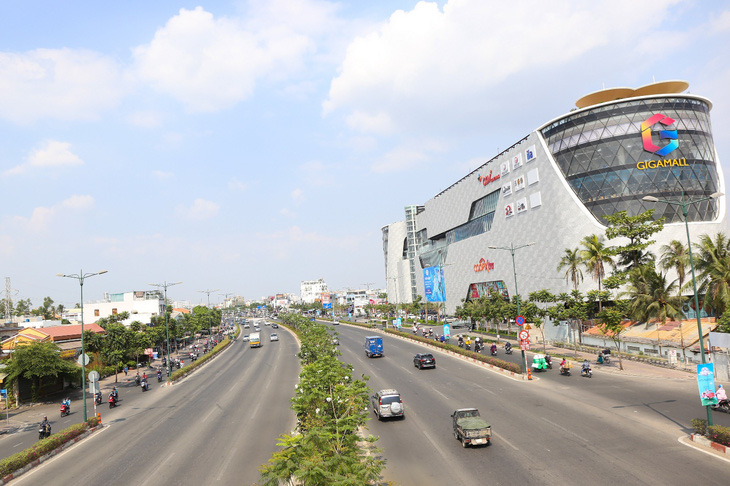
(287, 213)
(399, 159)
(145, 119)
(428, 64)
(64, 84)
(199, 210)
(297, 196)
(41, 216)
(721, 23)
(162, 175)
(51, 153)
(236, 185)
(212, 63)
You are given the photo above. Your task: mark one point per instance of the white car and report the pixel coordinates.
(273, 337)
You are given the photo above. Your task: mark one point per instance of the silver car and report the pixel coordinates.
(387, 403)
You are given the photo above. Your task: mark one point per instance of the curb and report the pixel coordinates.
(704, 441)
(45, 457)
(185, 375)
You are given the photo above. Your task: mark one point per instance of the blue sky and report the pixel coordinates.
(246, 146)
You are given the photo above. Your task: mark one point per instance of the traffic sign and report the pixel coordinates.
(525, 345)
(528, 327)
(83, 359)
(519, 320)
(93, 376)
(524, 335)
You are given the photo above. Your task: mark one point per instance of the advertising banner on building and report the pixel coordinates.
(433, 282)
(706, 383)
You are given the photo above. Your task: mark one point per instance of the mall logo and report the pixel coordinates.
(484, 265)
(487, 179)
(670, 135)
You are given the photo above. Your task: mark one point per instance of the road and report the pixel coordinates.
(556, 430)
(215, 427)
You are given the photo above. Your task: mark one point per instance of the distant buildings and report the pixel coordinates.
(312, 290)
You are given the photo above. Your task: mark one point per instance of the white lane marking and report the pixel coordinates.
(445, 397)
(19, 443)
(565, 430)
(153, 476)
(502, 439)
(209, 414)
(487, 390)
(225, 464)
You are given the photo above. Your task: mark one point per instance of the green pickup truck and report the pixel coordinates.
(470, 428)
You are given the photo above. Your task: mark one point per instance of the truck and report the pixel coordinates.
(255, 340)
(470, 428)
(373, 346)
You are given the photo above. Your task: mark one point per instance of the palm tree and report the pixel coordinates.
(653, 298)
(675, 256)
(595, 255)
(571, 261)
(713, 265)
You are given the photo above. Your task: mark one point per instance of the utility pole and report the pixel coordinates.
(8, 301)
(167, 327)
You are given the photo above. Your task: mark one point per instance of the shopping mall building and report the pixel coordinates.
(553, 188)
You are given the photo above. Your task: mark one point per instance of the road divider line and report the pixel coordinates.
(565, 430)
(209, 414)
(153, 476)
(502, 439)
(225, 464)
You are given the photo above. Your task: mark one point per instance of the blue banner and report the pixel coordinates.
(433, 283)
(706, 383)
(327, 306)
(447, 331)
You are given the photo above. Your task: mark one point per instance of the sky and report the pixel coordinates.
(245, 146)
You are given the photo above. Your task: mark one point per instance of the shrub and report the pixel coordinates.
(719, 434)
(42, 447)
(700, 426)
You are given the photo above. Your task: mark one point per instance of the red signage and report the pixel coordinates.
(487, 179)
(484, 265)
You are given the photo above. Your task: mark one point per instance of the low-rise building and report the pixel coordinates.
(142, 306)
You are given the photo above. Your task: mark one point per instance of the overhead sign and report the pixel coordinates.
(519, 320)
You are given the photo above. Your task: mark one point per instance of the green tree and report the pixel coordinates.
(38, 362)
(713, 265)
(115, 346)
(22, 307)
(611, 323)
(675, 256)
(572, 262)
(653, 297)
(637, 230)
(596, 256)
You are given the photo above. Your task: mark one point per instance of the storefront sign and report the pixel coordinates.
(658, 164)
(484, 265)
(488, 178)
(670, 135)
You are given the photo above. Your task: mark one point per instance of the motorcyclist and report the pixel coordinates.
(493, 348)
(461, 341)
(45, 426)
(720, 394)
(507, 346)
(115, 394)
(586, 367)
(67, 403)
(159, 375)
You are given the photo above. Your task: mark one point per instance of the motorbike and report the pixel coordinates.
(549, 361)
(477, 347)
(137, 380)
(97, 398)
(494, 351)
(145, 386)
(159, 378)
(468, 346)
(508, 349)
(722, 406)
(586, 372)
(65, 409)
(564, 370)
(112, 402)
(44, 431)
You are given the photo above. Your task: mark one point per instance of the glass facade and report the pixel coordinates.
(602, 155)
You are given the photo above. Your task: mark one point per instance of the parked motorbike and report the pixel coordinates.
(44, 431)
(586, 372)
(65, 409)
(722, 406)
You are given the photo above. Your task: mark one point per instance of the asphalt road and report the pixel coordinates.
(556, 430)
(215, 427)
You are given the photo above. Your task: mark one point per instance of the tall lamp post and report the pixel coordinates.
(210, 328)
(81, 276)
(685, 203)
(164, 285)
(512, 248)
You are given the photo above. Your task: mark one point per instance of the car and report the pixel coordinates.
(247, 326)
(387, 403)
(424, 360)
(273, 337)
(274, 325)
(245, 338)
(256, 328)
(335, 322)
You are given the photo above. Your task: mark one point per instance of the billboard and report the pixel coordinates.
(433, 281)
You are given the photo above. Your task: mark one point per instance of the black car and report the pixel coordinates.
(424, 360)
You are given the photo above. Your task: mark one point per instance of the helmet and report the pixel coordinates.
(45, 417)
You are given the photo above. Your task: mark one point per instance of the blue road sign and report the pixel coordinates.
(520, 321)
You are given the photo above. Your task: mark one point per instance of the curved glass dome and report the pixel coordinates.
(617, 153)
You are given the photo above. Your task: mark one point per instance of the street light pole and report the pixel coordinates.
(684, 203)
(80, 277)
(164, 285)
(210, 328)
(512, 248)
